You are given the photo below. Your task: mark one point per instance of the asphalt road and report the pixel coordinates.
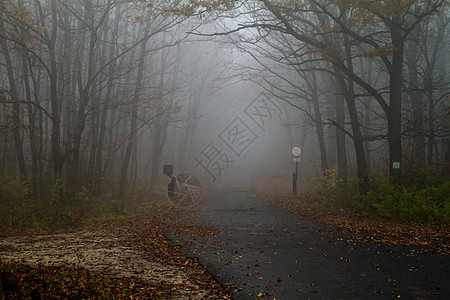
(262, 251)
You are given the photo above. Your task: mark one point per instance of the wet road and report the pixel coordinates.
(262, 251)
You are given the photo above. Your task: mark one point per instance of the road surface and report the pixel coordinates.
(263, 252)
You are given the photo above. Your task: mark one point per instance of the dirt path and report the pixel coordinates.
(112, 250)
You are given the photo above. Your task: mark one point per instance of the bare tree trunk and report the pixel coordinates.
(340, 139)
(159, 134)
(185, 151)
(54, 99)
(84, 93)
(110, 153)
(349, 96)
(50, 41)
(15, 99)
(341, 151)
(94, 141)
(98, 169)
(447, 156)
(431, 130)
(367, 115)
(156, 151)
(40, 136)
(319, 128)
(32, 124)
(31, 120)
(318, 122)
(97, 116)
(395, 105)
(418, 132)
(134, 111)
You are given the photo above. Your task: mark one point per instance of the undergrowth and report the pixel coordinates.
(422, 197)
(65, 208)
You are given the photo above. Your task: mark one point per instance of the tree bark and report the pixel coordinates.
(319, 125)
(15, 101)
(32, 124)
(98, 169)
(54, 99)
(416, 99)
(340, 139)
(134, 111)
(395, 105)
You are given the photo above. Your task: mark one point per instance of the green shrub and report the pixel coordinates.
(424, 197)
(416, 203)
(331, 192)
(426, 177)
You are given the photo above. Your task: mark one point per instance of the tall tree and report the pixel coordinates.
(15, 116)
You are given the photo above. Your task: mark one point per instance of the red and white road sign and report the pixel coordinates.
(296, 151)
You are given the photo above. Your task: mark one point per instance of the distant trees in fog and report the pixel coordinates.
(93, 91)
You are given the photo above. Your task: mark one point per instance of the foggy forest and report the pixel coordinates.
(99, 97)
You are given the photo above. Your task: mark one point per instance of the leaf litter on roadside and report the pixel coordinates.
(428, 237)
(144, 234)
(149, 236)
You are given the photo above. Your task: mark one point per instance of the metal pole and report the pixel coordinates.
(294, 180)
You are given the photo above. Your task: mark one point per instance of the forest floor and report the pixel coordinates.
(132, 253)
(254, 242)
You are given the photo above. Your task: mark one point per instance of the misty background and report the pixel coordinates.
(99, 94)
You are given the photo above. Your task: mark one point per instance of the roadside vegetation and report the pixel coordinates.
(414, 211)
(139, 222)
(421, 198)
(65, 208)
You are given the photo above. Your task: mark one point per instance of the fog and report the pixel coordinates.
(102, 93)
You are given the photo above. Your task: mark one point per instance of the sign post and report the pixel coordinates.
(296, 152)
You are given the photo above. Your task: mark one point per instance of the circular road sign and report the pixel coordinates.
(296, 151)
